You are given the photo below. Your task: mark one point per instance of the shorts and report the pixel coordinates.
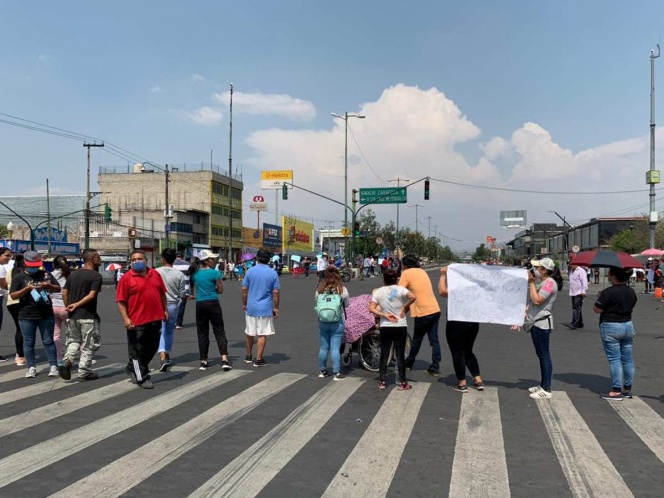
(259, 325)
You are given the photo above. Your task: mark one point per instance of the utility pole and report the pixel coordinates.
(88, 196)
(417, 223)
(48, 216)
(229, 256)
(429, 236)
(652, 176)
(396, 238)
(167, 211)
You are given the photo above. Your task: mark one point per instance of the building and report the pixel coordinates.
(201, 212)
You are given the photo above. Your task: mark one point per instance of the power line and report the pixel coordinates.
(484, 187)
(363, 156)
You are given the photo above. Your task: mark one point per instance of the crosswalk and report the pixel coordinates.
(246, 433)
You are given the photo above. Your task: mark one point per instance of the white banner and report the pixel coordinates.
(487, 294)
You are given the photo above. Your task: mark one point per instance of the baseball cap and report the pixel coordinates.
(32, 259)
(546, 263)
(205, 254)
(650, 259)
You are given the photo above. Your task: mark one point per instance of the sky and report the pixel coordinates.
(502, 97)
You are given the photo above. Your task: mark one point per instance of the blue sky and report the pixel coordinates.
(551, 96)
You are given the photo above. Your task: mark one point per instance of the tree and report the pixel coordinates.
(482, 253)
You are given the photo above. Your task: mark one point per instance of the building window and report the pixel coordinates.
(220, 210)
(197, 219)
(236, 194)
(182, 227)
(219, 188)
(237, 234)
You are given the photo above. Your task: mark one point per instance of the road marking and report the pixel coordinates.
(22, 421)
(23, 463)
(588, 470)
(369, 469)
(51, 385)
(480, 465)
(123, 474)
(644, 421)
(19, 373)
(250, 472)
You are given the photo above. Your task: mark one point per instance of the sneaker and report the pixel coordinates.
(179, 327)
(339, 376)
(479, 386)
(2, 358)
(32, 373)
(163, 367)
(226, 366)
(20, 361)
(53, 371)
(541, 394)
(65, 370)
(460, 388)
(615, 397)
(409, 364)
(260, 363)
(627, 394)
(404, 386)
(432, 372)
(534, 389)
(324, 373)
(248, 359)
(382, 385)
(204, 365)
(88, 376)
(146, 384)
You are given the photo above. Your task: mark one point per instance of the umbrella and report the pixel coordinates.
(113, 267)
(247, 257)
(652, 252)
(358, 318)
(605, 259)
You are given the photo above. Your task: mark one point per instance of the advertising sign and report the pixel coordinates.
(273, 180)
(298, 235)
(272, 235)
(513, 219)
(251, 237)
(258, 206)
(56, 235)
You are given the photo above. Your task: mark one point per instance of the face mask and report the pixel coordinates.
(138, 266)
(33, 271)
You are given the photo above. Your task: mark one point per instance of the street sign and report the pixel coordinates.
(393, 195)
(259, 198)
(258, 206)
(345, 231)
(379, 240)
(576, 248)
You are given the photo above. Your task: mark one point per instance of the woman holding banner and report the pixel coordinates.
(460, 339)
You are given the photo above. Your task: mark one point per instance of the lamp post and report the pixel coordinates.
(345, 118)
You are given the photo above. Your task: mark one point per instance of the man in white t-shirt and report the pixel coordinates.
(321, 266)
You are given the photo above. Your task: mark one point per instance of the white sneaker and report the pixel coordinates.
(32, 373)
(534, 389)
(53, 371)
(541, 394)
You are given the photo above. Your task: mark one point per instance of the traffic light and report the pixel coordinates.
(356, 228)
(426, 190)
(284, 192)
(107, 214)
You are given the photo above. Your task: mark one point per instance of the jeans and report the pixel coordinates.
(142, 343)
(577, 304)
(29, 330)
(396, 336)
(84, 335)
(426, 325)
(618, 341)
(541, 343)
(168, 329)
(460, 338)
(181, 309)
(331, 335)
(209, 313)
(61, 317)
(18, 335)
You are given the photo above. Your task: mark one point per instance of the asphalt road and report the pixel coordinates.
(281, 431)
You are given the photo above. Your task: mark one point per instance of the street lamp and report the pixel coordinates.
(345, 118)
(10, 229)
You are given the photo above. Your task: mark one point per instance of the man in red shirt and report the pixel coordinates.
(141, 299)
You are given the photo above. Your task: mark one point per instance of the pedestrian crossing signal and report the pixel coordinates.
(284, 192)
(426, 190)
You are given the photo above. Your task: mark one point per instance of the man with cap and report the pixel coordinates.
(578, 287)
(141, 300)
(260, 301)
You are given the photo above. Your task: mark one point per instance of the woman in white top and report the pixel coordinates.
(391, 303)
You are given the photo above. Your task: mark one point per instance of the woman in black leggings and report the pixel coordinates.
(460, 339)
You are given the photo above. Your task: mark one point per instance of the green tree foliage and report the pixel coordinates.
(482, 253)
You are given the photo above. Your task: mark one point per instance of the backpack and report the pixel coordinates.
(328, 307)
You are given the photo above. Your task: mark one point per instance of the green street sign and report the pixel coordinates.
(394, 195)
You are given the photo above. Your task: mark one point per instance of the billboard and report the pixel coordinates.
(272, 236)
(298, 235)
(273, 180)
(513, 219)
(251, 237)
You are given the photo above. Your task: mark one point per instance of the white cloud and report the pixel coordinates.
(206, 116)
(268, 104)
(197, 77)
(155, 89)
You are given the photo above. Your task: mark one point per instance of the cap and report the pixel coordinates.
(32, 259)
(650, 258)
(546, 263)
(205, 254)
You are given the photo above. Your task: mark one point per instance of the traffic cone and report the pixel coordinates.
(658, 293)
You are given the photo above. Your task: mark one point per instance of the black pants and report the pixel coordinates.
(460, 339)
(142, 343)
(577, 316)
(209, 313)
(181, 309)
(18, 335)
(396, 336)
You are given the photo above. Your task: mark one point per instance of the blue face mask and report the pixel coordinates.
(33, 271)
(138, 266)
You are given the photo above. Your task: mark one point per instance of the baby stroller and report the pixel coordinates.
(362, 336)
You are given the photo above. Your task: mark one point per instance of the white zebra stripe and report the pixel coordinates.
(123, 474)
(23, 463)
(480, 465)
(588, 470)
(250, 472)
(644, 421)
(45, 413)
(383, 441)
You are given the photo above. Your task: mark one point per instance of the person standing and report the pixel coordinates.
(578, 287)
(207, 285)
(5, 258)
(260, 302)
(13, 307)
(460, 339)
(32, 287)
(175, 294)
(615, 305)
(181, 265)
(61, 272)
(79, 295)
(391, 303)
(307, 266)
(141, 300)
(596, 275)
(331, 321)
(650, 276)
(425, 312)
(321, 266)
